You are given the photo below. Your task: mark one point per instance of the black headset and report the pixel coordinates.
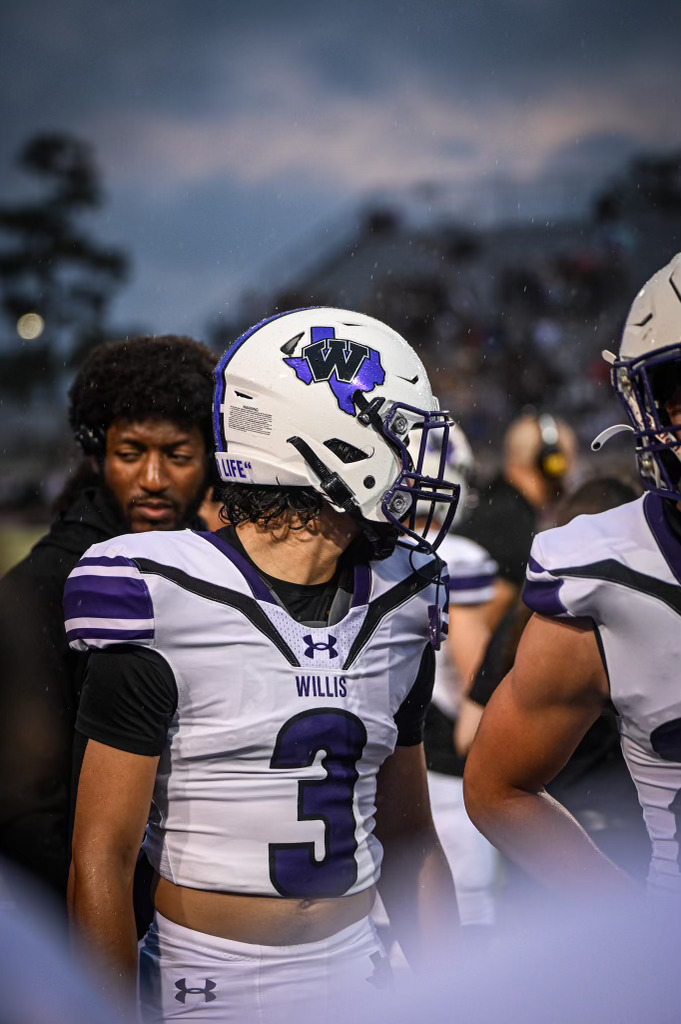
(551, 459)
(92, 440)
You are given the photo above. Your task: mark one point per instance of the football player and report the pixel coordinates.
(263, 689)
(606, 595)
(472, 576)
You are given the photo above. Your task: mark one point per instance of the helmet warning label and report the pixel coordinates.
(249, 419)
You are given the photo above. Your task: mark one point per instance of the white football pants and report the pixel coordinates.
(473, 861)
(191, 976)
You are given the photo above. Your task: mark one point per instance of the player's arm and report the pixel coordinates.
(416, 884)
(537, 716)
(468, 637)
(114, 796)
(128, 701)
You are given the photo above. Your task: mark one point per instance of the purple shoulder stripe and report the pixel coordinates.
(107, 597)
(85, 632)
(106, 560)
(259, 588)
(471, 582)
(534, 565)
(542, 596)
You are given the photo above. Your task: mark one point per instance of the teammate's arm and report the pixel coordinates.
(416, 884)
(537, 716)
(114, 796)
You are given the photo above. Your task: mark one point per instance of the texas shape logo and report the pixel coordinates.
(346, 365)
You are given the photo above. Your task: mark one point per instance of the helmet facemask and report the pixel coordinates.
(645, 386)
(417, 501)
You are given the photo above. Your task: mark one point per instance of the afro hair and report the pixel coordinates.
(164, 377)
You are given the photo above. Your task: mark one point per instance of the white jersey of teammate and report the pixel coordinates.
(622, 569)
(267, 784)
(472, 574)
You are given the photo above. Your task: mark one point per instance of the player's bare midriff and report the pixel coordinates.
(263, 920)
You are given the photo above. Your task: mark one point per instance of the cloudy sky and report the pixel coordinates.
(235, 137)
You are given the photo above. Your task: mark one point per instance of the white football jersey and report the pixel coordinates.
(267, 784)
(622, 569)
(472, 574)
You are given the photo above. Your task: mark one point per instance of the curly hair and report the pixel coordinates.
(249, 503)
(163, 377)
(252, 504)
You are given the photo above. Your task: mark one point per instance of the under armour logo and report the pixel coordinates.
(206, 991)
(312, 646)
(383, 975)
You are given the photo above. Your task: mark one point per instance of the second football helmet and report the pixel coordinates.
(459, 466)
(647, 378)
(337, 401)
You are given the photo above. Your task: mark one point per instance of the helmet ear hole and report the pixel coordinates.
(346, 452)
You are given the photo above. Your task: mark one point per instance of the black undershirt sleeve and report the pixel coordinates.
(411, 713)
(129, 699)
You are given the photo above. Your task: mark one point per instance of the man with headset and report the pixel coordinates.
(539, 453)
(140, 411)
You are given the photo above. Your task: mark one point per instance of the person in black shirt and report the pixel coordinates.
(140, 410)
(539, 454)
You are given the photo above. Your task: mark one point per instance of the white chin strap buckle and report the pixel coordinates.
(609, 432)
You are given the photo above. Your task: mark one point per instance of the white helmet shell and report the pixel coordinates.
(650, 355)
(323, 398)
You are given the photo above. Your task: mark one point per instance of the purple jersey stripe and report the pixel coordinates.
(653, 508)
(471, 582)
(107, 597)
(542, 596)
(83, 633)
(259, 588)
(107, 560)
(362, 585)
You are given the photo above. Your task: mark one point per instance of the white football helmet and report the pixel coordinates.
(329, 399)
(647, 374)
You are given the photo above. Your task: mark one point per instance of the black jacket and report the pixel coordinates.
(46, 677)
(35, 802)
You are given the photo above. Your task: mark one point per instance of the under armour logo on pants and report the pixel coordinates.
(206, 991)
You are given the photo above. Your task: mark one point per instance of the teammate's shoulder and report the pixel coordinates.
(405, 563)
(462, 552)
(590, 538)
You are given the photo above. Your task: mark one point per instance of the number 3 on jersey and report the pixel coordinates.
(293, 869)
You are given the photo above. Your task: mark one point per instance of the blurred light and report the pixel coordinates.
(30, 326)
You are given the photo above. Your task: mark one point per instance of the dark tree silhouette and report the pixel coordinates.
(50, 265)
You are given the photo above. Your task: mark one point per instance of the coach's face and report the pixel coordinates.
(156, 470)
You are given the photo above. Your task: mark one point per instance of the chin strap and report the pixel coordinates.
(337, 492)
(609, 432)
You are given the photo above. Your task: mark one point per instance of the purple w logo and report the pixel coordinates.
(346, 365)
(334, 355)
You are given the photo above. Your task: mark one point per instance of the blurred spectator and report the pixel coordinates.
(539, 454)
(140, 409)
